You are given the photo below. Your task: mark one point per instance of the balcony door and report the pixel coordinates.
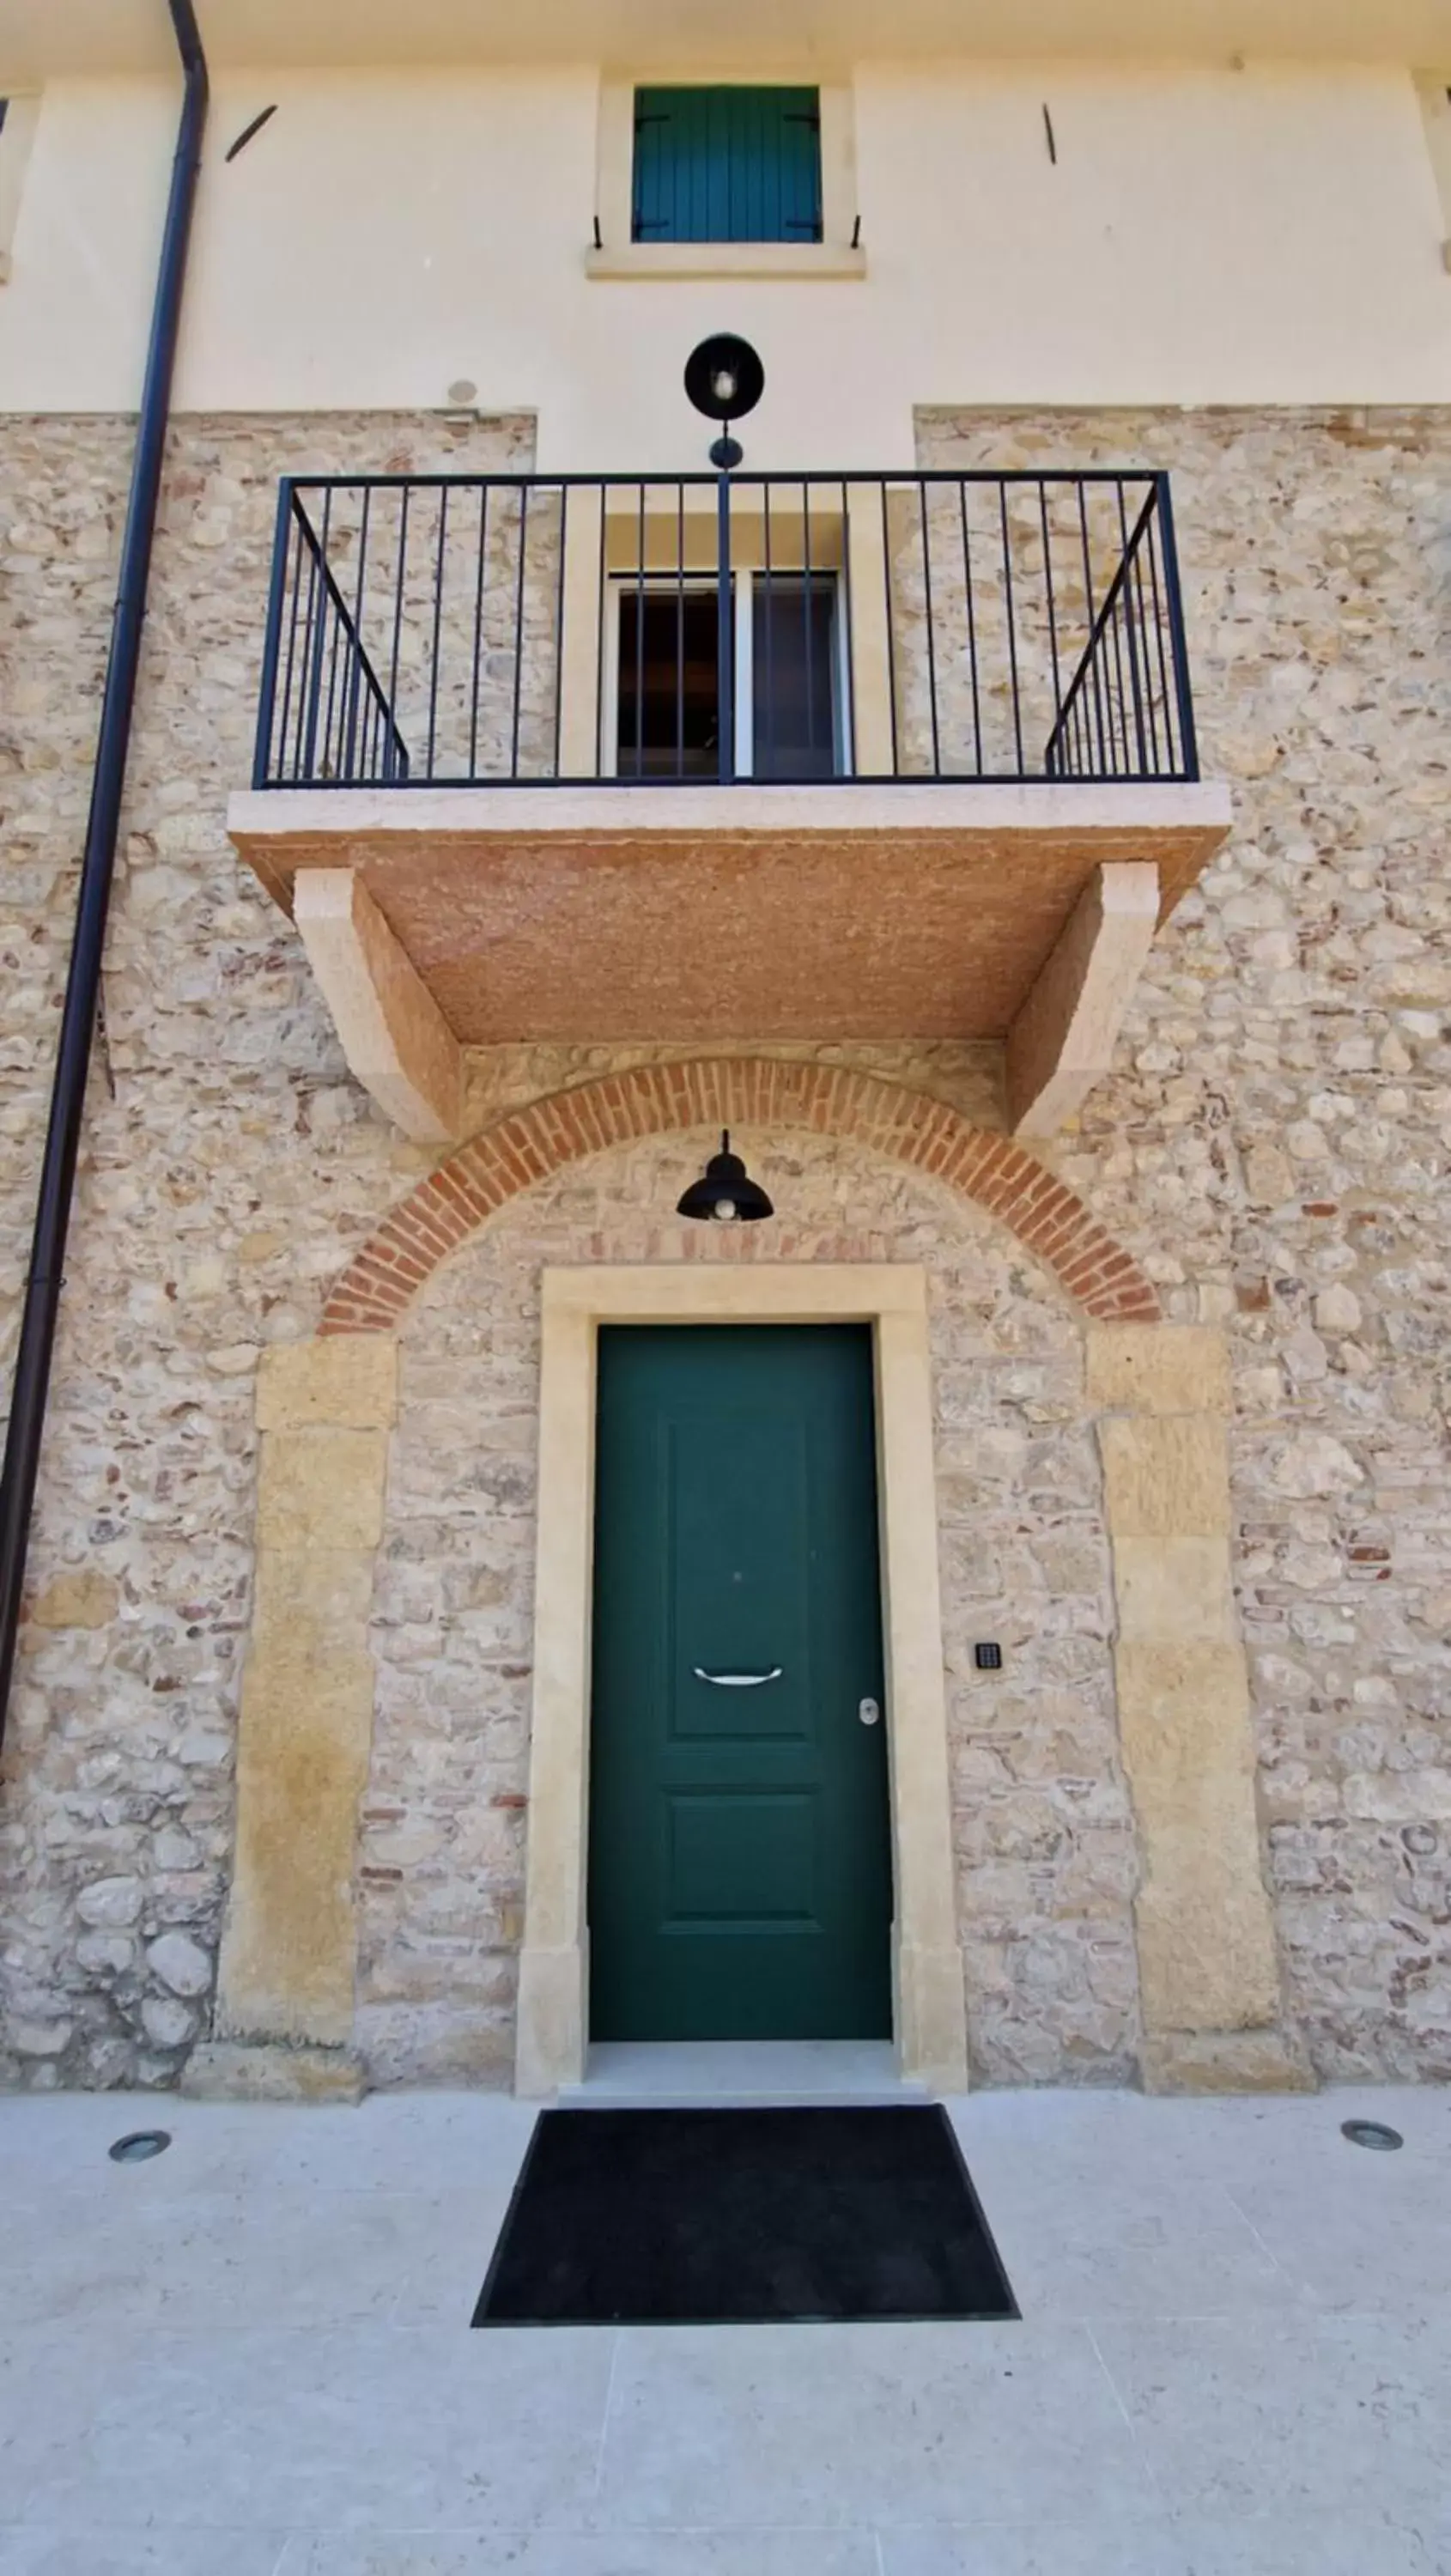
(788, 674)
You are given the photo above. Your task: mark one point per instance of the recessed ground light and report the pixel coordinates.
(140, 2145)
(1371, 2133)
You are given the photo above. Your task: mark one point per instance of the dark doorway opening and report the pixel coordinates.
(786, 679)
(669, 722)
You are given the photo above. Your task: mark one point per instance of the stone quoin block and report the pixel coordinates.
(1185, 1370)
(1166, 1477)
(321, 1488)
(344, 1385)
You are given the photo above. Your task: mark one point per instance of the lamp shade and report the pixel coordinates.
(725, 1194)
(724, 378)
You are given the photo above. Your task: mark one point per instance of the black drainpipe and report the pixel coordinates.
(83, 984)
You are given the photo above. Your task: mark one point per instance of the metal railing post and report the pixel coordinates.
(725, 641)
(272, 640)
(1178, 641)
(317, 642)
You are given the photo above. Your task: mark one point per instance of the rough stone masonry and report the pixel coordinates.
(1272, 1147)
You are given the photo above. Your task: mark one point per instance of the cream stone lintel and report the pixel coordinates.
(289, 1946)
(391, 1030)
(930, 2018)
(1208, 1971)
(1063, 1038)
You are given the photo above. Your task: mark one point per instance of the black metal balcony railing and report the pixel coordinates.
(511, 630)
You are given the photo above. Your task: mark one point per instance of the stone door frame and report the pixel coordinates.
(928, 2016)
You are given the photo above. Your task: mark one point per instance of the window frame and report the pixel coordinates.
(615, 254)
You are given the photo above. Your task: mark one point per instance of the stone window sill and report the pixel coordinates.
(642, 260)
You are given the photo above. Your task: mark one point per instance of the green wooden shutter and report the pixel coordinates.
(727, 165)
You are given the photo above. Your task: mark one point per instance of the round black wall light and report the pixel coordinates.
(725, 1194)
(724, 379)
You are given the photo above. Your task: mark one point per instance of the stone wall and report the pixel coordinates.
(227, 1165)
(1272, 1147)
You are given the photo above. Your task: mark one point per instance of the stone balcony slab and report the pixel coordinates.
(698, 912)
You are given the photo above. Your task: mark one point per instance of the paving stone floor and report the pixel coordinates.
(252, 2358)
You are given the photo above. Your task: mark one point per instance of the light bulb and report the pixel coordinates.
(725, 1211)
(723, 384)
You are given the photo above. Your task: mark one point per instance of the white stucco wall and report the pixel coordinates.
(1264, 236)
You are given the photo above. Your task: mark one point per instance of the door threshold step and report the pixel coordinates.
(724, 2073)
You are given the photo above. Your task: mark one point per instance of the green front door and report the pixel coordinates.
(740, 1883)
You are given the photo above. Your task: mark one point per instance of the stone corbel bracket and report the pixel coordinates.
(395, 1038)
(1062, 1041)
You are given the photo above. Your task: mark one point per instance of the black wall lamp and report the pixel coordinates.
(725, 379)
(725, 1194)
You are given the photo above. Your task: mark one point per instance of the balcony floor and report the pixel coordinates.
(702, 913)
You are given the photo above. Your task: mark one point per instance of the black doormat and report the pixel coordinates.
(715, 2217)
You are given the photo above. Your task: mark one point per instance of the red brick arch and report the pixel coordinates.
(734, 1091)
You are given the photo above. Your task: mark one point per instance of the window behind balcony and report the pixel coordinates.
(727, 165)
(787, 677)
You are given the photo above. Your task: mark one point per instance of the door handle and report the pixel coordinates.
(738, 1681)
